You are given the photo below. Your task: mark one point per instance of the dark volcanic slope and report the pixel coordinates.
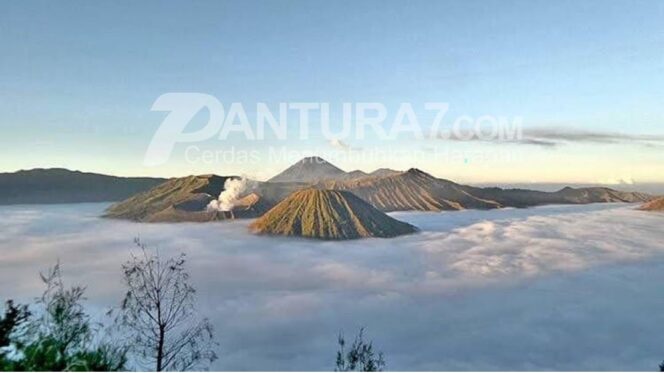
(186, 194)
(654, 205)
(328, 215)
(58, 185)
(412, 190)
(309, 169)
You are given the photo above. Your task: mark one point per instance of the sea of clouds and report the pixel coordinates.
(555, 287)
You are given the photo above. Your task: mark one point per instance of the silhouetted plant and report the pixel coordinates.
(10, 324)
(64, 321)
(158, 310)
(62, 337)
(661, 366)
(11, 321)
(360, 357)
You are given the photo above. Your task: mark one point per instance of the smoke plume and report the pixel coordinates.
(233, 188)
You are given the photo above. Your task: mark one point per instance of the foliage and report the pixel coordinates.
(64, 322)
(360, 357)
(158, 310)
(13, 318)
(10, 324)
(62, 337)
(45, 354)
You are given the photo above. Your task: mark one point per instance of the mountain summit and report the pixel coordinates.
(310, 169)
(328, 215)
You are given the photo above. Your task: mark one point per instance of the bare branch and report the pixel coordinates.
(158, 309)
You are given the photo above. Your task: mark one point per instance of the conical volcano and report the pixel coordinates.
(328, 215)
(310, 169)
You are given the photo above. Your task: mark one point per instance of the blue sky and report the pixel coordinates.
(77, 79)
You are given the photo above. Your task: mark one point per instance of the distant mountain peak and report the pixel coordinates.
(416, 172)
(314, 159)
(309, 169)
(381, 172)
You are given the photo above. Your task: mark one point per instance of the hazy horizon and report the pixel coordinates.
(653, 188)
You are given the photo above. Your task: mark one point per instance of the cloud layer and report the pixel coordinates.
(552, 137)
(558, 136)
(574, 287)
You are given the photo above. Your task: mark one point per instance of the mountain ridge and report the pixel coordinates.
(185, 199)
(61, 185)
(417, 190)
(411, 190)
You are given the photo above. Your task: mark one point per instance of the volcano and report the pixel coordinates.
(186, 199)
(412, 190)
(654, 205)
(310, 169)
(328, 215)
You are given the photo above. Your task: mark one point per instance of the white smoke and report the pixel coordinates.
(233, 188)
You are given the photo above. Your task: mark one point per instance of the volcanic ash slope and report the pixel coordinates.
(328, 215)
(654, 205)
